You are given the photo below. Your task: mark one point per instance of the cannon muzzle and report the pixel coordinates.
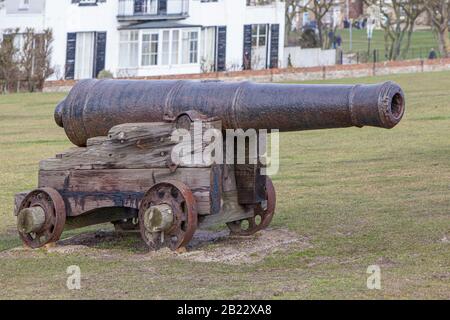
(93, 107)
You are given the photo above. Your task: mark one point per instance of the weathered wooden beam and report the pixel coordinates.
(249, 181)
(96, 141)
(86, 190)
(130, 146)
(109, 177)
(231, 211)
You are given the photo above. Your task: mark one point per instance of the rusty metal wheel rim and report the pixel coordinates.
(262, 215)
(180, 198)
(55, 217)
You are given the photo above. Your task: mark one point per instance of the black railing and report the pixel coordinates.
(260, 2)
(153, 8)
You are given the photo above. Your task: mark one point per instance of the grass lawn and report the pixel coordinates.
(421, 44)
(359, 196)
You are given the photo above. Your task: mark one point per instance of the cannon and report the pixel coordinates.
(123, 169)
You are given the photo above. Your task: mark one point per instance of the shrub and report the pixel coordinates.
(105, 74)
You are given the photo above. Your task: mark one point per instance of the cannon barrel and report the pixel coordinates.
(93, 107)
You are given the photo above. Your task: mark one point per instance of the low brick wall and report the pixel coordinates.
(295, 74)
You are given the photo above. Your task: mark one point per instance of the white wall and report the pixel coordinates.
(309, 57)
(20, 19)
(63, 17)
(234, 14)
(14, 6)
(273, 14)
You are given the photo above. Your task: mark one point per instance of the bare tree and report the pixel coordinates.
(412, 10)
(43, 52)
(9, 70)
(319, 9)
(31, 62)
(27, 57)
(399, 19)
(290, 14)
(439, 11)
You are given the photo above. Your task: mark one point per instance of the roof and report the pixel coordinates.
(158, 25)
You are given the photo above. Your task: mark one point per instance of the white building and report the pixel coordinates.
(153, 37)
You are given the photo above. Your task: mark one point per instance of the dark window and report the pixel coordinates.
(70, 55)
(274, 44)
(221, 48)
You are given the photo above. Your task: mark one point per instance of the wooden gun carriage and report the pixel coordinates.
(123, 170)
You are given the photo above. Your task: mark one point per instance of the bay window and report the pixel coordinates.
(150, 44)
(190, 47)
(129, 49)
(165, 57)
(193, 47)
(147, 48)
(175, 47)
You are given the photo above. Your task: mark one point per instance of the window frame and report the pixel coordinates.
(189, 42)
(24, 5)
(179, 46)
(129, 42)
(260, 36)
(175, 37)
(151, 33)
(179, 41)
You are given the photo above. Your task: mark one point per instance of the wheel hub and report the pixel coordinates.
(41, 218)
(168, 215)
(158, 218)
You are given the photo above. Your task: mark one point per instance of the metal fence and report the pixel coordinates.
(381, 55)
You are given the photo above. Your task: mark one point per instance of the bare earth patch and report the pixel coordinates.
(207, 246)
(236, 250)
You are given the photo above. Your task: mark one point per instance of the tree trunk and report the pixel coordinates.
(408, 40)
(320, 26)
(444, 42)
(389, 41)
(399, 35)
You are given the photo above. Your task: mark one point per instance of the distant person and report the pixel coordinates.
(364, 23)
(338, 40)
(346, 24)
(432, 55)
(332, 39)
